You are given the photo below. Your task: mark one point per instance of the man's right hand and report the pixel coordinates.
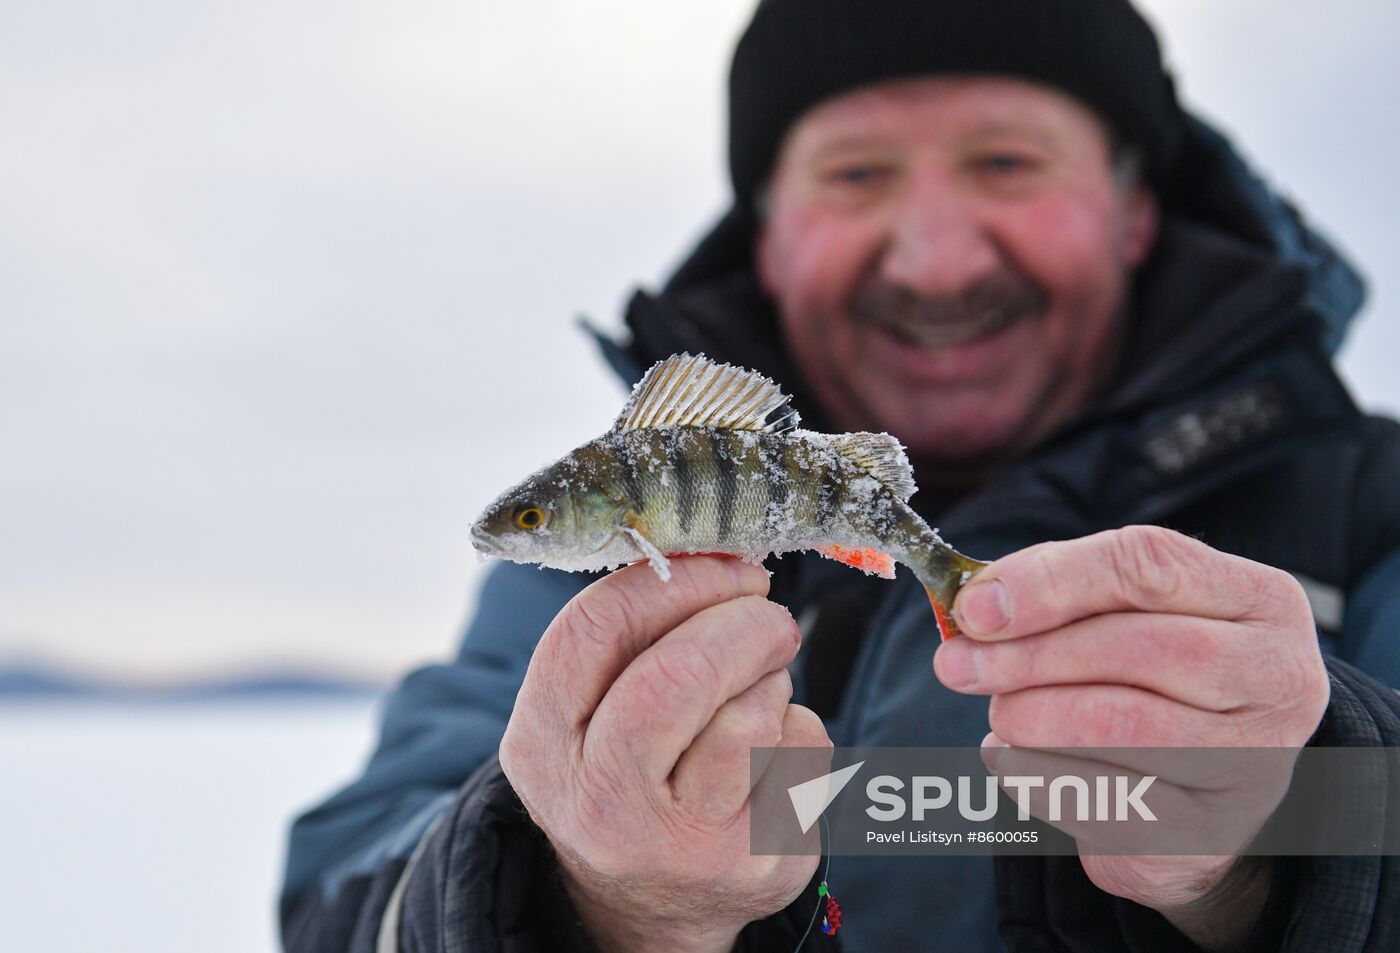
(629, 745)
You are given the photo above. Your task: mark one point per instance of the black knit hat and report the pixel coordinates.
(797, 53)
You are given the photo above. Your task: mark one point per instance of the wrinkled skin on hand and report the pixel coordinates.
(1142, 637)
(629, 745)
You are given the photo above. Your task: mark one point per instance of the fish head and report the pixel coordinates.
(554, 519)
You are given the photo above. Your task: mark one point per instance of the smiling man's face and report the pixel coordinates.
(950, 258)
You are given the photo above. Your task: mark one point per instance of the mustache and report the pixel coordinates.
(1003, 296)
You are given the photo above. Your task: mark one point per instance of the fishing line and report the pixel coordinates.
(832, 921)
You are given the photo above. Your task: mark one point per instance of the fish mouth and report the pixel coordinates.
(483, 542)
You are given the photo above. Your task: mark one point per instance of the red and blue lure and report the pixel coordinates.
(831, 920)
(827, 907)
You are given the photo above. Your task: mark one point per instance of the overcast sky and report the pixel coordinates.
(287, 288)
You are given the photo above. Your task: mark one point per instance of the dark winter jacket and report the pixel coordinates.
(1226, 421)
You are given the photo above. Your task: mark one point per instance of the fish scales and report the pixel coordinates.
(708, 458)
(727, 481)
(715, 491)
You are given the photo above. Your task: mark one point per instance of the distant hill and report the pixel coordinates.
(37, 681)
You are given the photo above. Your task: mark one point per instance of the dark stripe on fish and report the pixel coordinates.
(770, 454)
(629, 473)
(797, 464)
(728, 483)
(679, 462)
(774, 475)
(881, 514)
(829, 492)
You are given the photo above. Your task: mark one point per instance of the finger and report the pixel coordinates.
(1228, 772)
(803, 728)
(805, 752)
(712, 778)
(1204, 663)
(602, 629)
(1203, 769)
(662, 701)
(1088, 800)
(1105, 716)
(1138, 568)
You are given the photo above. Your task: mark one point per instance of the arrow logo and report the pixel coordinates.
(812, 797)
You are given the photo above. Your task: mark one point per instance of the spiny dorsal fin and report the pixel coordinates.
(880, 455)
(685, 391)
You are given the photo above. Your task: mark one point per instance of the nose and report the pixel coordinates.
(939, 242)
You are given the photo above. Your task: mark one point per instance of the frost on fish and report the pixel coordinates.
(708, 457)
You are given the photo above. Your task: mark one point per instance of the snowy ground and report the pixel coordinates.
(158, 828)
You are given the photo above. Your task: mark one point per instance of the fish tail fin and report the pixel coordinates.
(951, 571)
(947, 628)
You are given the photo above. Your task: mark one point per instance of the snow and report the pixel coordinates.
(160, 828)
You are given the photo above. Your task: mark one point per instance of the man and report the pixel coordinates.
(985, 226)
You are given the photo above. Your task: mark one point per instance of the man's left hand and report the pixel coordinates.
(1142, 637)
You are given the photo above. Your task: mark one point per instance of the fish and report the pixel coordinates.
(709, 458)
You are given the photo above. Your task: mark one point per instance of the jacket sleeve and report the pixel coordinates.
(1371, 632)
(439, 726)
(487, 881)
(430, 849)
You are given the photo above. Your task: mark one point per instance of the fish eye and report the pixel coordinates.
(529, 517)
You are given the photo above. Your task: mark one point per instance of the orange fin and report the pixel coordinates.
(870, 561)
(944, 615)
(943, 580)
(947, 628)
